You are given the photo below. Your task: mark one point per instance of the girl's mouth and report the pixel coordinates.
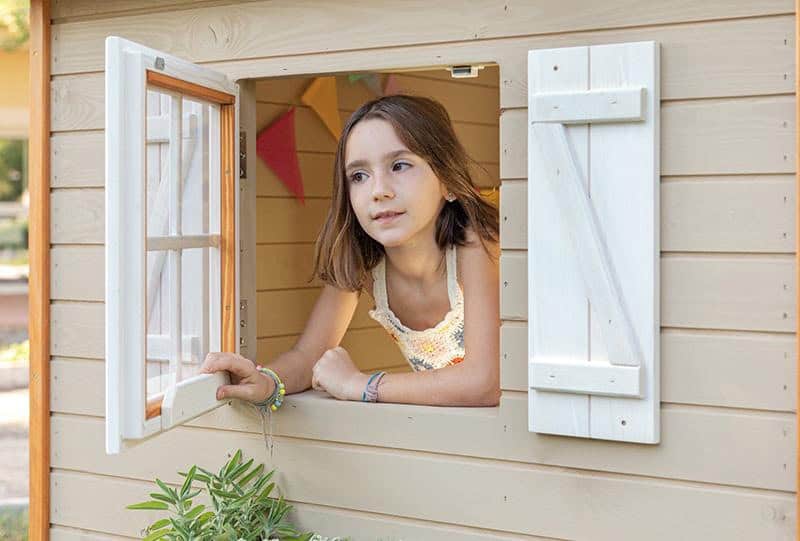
(387, 217)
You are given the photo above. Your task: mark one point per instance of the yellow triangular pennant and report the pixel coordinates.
(322, 97)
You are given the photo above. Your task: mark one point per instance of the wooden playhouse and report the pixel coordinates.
(697, 439)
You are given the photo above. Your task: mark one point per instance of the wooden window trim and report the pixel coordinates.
(227, 234)
(39, 275)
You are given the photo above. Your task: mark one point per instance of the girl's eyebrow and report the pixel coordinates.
(388, 156)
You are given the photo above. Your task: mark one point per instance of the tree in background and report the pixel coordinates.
(12, 155)
(14, 30)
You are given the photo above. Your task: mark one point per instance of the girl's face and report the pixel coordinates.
(395, 194)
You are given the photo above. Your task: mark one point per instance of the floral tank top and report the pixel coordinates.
(426, 349)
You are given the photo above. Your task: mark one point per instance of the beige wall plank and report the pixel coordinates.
(77, 273)
(60, 533)
(698, 214)
(287, 220)
(744, 57)
(77, 329)
(728, 292)
(362, 344)
(357, 525)
(763, 441)
(283, 312)
(464, 102)
(77, 216)
(514, 285)
(77, 102)
(74, 9)
(316, 170)
(445, 490)
(75, 160)
(712, 368)
(731, 136)
(285, 266)
(697, 291)
(269, 28)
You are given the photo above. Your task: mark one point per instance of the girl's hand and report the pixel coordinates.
(247, 382)
(336, 374)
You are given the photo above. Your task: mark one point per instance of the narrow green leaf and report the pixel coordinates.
(148, 505)
(167, 489)
(188, 481)
(247, 478)
(157, 525)
(157, 535)
(195, 511)
(159, 496)
(240, 469)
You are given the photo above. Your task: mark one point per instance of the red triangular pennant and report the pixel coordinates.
(276, 146)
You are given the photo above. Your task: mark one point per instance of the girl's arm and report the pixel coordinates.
(324, 330)
(476, 380)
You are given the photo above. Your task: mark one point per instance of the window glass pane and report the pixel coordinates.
(197, 289)
(157, 160)
(158, 322)
(195, 158)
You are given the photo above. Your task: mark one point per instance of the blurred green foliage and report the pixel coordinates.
(12, 170)
(14, 28)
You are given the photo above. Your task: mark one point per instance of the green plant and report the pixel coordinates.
(241, 507)
(15, 353)
(14, 523)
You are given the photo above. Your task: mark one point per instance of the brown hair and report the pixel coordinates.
(344, 252)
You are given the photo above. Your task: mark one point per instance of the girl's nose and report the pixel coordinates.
(381, 188)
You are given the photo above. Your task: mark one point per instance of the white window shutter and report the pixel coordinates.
(593, 241)
(165, 309)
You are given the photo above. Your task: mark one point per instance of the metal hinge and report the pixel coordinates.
(242, 321)
(242, 154)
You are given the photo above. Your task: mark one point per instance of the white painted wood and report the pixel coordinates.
(158, 346)
(558, 172)
(556, 309)
(586, 378)
(612, 105)
(182, 242)
(593, 238)
(191, 397)
(126, 232)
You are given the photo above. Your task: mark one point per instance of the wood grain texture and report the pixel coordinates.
(433, 487)
(268, 28)
(702, 291)
(705, 137)
(747, 214)
(740, 447)
(39, 278)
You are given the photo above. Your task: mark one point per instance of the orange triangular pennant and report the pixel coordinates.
(275, 145)
(322, 97)
(391, 86)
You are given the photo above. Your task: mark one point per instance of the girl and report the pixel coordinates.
(408, 225)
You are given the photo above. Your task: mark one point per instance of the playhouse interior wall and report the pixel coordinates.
(725, 467)
(286, 228)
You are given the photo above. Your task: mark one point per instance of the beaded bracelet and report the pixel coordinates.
(274, 400)
(370, 393)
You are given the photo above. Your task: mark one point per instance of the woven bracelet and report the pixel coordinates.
(275, 400)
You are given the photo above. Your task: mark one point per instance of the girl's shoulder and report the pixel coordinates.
(477, 250)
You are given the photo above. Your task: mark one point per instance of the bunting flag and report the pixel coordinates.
(322, 97)
(392, 86)
(276, 146)
(355, 77)
(492, 195)
(373, 82)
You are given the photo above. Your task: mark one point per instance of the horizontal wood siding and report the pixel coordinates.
(726, 466)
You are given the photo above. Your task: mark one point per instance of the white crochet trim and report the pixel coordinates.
(430, 348)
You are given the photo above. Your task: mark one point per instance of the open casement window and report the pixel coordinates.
(171, 230)
(593, 241)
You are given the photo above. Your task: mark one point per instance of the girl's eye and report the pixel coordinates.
(356, 177)
(399, 163)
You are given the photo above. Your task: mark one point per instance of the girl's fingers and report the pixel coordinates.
(243, 392)
(231, 362)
